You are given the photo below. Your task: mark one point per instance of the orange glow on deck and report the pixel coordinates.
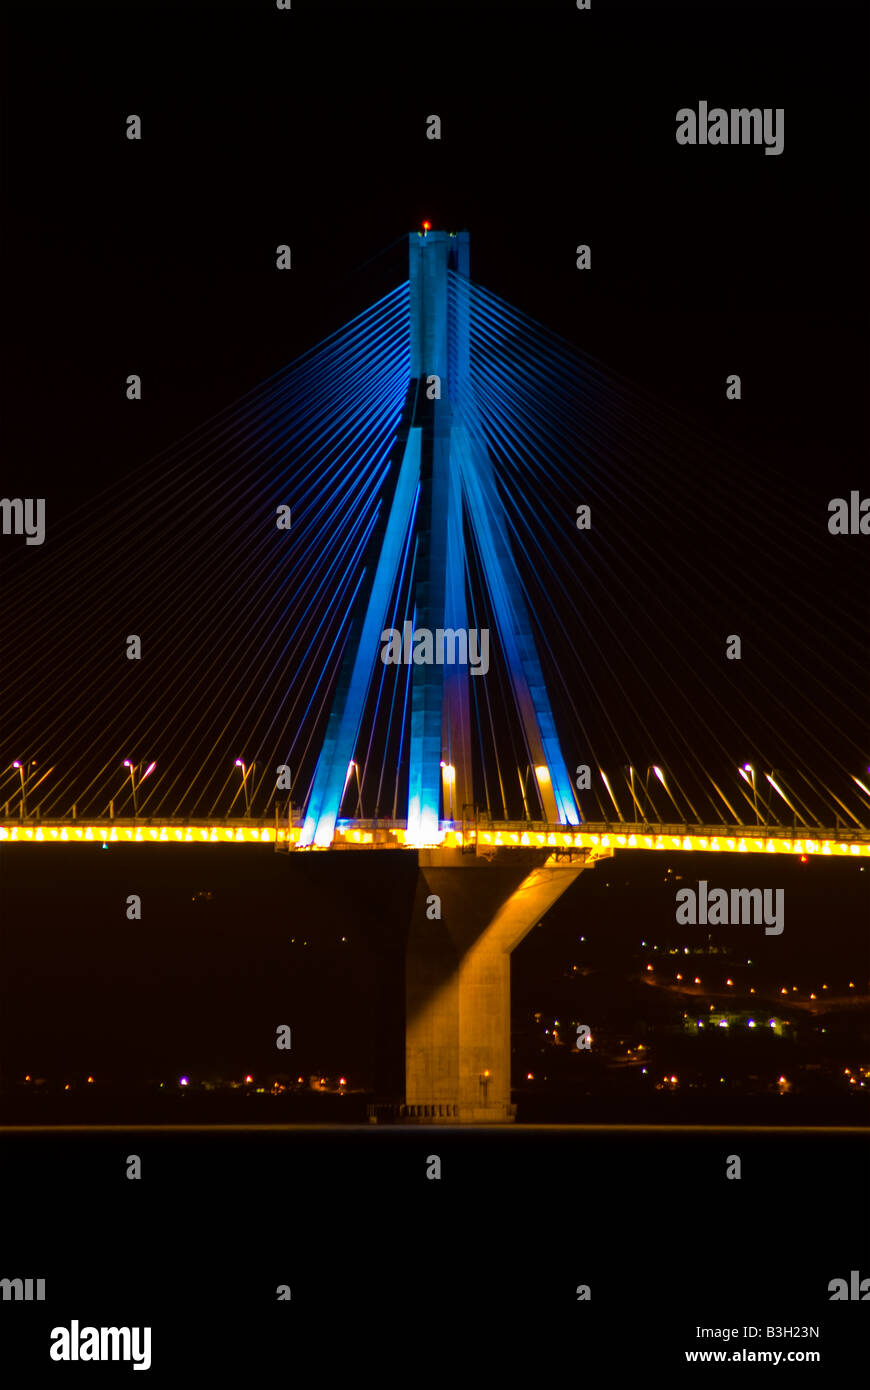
(599, 842)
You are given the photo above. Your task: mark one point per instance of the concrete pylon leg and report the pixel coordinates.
(457, 1030)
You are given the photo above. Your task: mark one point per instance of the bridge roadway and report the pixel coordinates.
(597, 839)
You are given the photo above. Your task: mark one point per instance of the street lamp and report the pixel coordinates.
(788, 802)
(637, 804)
(147, 773)
(610, 793)
(20, 767)
(240, 763)
(128, 764)
(23, 790)
(661, 776)
(352, 765)
(448, 776)
(747, 767)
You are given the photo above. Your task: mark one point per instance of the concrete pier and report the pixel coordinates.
(457, 977)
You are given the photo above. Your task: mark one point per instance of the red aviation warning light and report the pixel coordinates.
(427, 227)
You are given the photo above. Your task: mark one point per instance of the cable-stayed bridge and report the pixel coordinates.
(409, 694)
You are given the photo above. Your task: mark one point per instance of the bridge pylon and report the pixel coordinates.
(441, 479)
(469, 914)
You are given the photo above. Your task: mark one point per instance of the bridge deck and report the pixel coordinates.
(598, 839)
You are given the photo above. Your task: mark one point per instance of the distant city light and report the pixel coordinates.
(248, 1080)
(183, 1081)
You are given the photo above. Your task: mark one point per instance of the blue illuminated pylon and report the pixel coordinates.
(440, 465)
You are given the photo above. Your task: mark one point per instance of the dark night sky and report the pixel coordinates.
(558, 127)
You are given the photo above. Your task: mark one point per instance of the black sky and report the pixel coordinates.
(557, 127)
